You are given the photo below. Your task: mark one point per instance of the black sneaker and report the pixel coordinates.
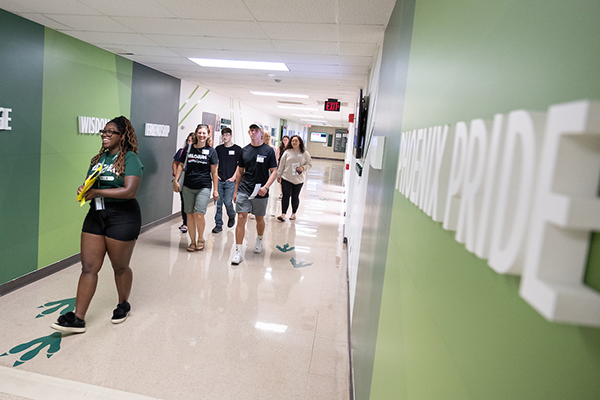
(69, 322)
(121, 313)
(231, 222)
(217, 229)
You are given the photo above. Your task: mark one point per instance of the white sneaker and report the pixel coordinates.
(258, 246)
(237, 258)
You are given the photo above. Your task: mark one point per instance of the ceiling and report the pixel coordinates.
(328, 46)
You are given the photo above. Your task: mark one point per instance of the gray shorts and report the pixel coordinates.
(195, 200)
(256, 206)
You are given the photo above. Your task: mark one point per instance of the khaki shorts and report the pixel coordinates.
(195, 200)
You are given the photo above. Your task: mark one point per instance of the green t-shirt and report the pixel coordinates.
(108, 179)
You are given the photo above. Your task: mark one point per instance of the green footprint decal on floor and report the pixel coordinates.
(286, 247)
(54, 306)
(299, 264)
(52, 342)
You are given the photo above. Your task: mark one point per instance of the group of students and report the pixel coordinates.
(235, 174)
(113, 222)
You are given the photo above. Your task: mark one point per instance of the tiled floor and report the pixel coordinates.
(200, 328)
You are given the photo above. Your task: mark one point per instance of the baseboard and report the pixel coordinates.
(48, 270)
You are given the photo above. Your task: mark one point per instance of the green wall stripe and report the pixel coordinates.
(192, 109)
(79, 80)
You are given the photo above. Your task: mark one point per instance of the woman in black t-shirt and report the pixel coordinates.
(200, 176)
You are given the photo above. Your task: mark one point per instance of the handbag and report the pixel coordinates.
(182, 175)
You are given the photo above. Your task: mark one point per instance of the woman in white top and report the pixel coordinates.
(294, 164)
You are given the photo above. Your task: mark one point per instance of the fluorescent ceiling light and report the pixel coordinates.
(299, 108)
(301, 96)
(239, 64)
(310, 116)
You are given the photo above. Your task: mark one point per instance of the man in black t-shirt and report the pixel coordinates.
(256, 172)
(228, 154)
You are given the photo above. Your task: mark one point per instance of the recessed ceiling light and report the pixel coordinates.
(299, 108)
(270, 66)
(310, 116)
(301, 96)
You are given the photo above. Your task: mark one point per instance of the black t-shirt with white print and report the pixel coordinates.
(197, 171)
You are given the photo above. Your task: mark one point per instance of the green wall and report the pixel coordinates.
(50, 79)
(79, 80)
(21, 71)
(449, 326)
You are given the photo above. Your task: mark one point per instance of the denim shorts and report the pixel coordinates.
(195, 200)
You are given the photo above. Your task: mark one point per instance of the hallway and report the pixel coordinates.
(274, 327)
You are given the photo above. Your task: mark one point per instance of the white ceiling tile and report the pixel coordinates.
(356, 61)
(358, 49)
(309, 11)
(362, 33)
(110, 38)
(313, 68)
(15, 7)
(92, 23)
(227, 55)
(375, 12)
(233, 44)
(43, 20)
(298, 31)
(149, 51)
(132, 8)
(49, 7)
(308, 47)
(223, 10)
(232, 29)
(164, 26)
(321, 59)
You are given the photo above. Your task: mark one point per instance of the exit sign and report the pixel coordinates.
(332, 105)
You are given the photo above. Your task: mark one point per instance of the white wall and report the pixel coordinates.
(194, 100)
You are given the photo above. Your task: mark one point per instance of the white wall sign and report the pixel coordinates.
(91, 125)
(5, 119)
(157, 130)
(520, 191)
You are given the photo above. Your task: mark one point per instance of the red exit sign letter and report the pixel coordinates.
(332, 105)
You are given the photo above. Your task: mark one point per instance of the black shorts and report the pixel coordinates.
(120, 220)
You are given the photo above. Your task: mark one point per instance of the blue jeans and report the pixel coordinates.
(226, 190)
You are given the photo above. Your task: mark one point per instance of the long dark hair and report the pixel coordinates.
(289, 146)
(185, 144)
(128, 142)
(282, 146)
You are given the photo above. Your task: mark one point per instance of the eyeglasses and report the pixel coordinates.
(108, 133)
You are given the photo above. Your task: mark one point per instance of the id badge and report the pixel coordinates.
(260, 159)
(99, 203)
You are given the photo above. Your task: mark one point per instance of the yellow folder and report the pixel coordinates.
(88, 184)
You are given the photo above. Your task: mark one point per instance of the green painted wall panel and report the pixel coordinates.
(21, 72)
(450, 327)
(79, 80)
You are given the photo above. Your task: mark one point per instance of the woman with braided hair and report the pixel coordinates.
(112, 224)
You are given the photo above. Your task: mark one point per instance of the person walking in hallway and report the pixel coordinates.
(291, 174)
(188, 141)
(200, 175)
(278, 153)
(112, 224)
(228, 154)
(256, 172)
